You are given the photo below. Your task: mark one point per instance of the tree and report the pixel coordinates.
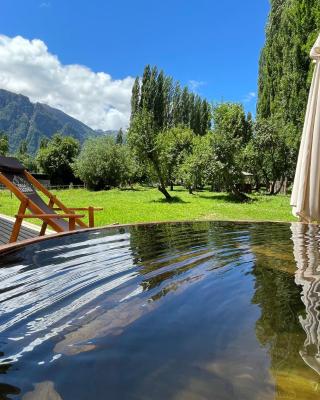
(270, 152)
(56, 159)
(228, 140)
(119, 138)
(162, 97)
(103, 163)
(23, 147)
(44, 141)
(135, 97)
(195, 167)
(25, 158)
(143, 140)
(285, 67)
(4, 144)
(175, 145)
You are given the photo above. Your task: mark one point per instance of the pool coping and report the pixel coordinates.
(23, 243)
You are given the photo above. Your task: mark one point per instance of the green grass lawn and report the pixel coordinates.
(145, 205)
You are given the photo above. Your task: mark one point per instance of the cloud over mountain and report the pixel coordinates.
(27, 67)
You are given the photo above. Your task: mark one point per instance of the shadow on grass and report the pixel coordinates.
(132, 189)
(228, 198)
(174, 200)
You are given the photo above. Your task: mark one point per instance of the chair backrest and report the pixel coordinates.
(15, 174)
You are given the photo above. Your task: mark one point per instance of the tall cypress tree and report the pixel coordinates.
(168, 104)
(285, 66)
(185, 107)
(159, 102)
(119, 138)
(176, 105)
(145, 87)
(135, 98)
(205, 117)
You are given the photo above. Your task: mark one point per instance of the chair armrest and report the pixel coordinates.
(85, 208)
(49, 216)
(72, 218)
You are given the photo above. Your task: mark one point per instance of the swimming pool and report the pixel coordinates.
(167, 311)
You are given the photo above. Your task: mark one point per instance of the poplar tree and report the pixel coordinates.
(135, 97)
(119, 138)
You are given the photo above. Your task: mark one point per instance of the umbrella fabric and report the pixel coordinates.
(306, 248)
(305, 198)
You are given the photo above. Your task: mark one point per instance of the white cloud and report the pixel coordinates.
(45, 4)
(194, 85)
(27, 67)
(249, 97)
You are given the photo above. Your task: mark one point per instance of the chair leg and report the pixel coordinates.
(16, 230)
(17, 225)
(43, 229)
(72, 223)
(91, 216)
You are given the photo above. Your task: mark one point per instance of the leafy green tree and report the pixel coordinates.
(205, 118)
(176, 105)
(228, 140)
(103, 163)
(120, 137)
(270, 152)
(56, 159)
(159, 107)
(135, 97)
(285, 67)
(23, 147)
(174, 146)
(170, 107)
(4, 144)
(44, 141)
(143, 140)
(25, 158)
(195, 167)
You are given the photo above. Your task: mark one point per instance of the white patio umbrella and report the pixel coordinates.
(305, 198)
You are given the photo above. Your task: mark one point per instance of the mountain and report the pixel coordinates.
(21, 119)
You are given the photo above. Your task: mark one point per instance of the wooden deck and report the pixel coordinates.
(27, 231)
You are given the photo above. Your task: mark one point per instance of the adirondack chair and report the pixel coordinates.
(15, 177)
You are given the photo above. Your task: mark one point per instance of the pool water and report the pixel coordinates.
(170, 311)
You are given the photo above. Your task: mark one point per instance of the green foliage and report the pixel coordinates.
(56, 159)
(268, 154)
(103, 163)
(285, 65)
(232, 130)
(169, 106)
(25, 158)
(194, 170)
(120, 137)
(135, 98)
(143, 141)
(175, 145)
(4, 144)
(215, 158)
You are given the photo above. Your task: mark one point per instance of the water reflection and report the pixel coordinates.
(306, 239)
(176, 311)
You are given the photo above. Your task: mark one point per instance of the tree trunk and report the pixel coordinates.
(164, 191)
(171, 186)
(281, 184)
(190, 189)
(161, 185)
(271, 192)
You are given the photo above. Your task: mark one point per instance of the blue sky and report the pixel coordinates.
(211, 45)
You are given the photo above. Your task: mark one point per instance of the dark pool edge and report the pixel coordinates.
(23, 243)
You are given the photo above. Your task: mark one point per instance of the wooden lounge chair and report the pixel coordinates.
(24, 186)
